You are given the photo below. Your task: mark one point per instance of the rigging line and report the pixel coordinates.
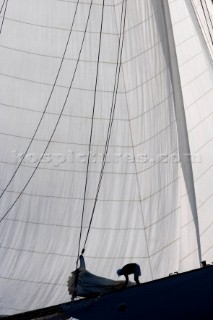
(209, 14)
(91, 131)
(119, 62)
(111, 118)
(202, 30)
(56, 125)
(204, 12)
(2, 6)
(3, 18)
(47, 103)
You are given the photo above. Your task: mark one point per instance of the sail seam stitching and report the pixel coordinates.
(95, 118)
(79, 31)
(82, 60)
(84, 89)
(90, 257)
(116, 119)
(116, 200)
(95, 228)
(103, 91)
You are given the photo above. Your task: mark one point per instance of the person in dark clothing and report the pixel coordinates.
(131, 268)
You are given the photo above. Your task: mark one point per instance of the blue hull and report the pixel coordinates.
(185, 296)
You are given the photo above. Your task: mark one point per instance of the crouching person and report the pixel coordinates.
(131, 268)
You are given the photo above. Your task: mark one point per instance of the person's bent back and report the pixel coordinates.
(131, 268)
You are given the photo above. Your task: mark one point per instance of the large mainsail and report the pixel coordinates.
(143, 212)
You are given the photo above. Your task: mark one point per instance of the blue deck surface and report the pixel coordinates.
(183, 296)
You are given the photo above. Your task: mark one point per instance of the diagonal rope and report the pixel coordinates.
(69, 89)
(91, 131)
(114, 99)
(210, 19)
(2, 6)
(5, 9)
(202, 29)
(47, 103)
(204, 12)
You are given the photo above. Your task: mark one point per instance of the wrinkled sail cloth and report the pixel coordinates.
(89, 284)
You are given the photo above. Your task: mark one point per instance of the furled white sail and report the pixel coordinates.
(142, 214)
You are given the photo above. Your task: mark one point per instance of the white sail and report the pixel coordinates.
(196, 74)
(141, 211)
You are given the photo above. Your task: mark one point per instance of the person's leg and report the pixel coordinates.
(136, 280)
(126, 282)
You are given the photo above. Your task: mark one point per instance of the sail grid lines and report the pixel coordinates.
(202, 129)
(49, 98)
(71, 257)
(138, 86)
(56, 122)
(132, 25)
(92, 227)
(86, 116)
(191, 128)
(39, 237)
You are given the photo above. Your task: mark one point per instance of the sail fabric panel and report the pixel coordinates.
(137, 216)
(44, 233)
(23, 270)
(197, 85)
(41, 232)
(75, 125)
(154, 135)
(48, 292)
